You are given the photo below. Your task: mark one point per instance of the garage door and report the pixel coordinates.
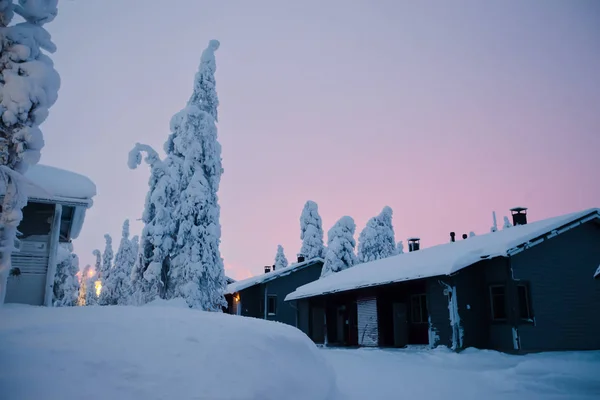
(368, 332)
(27, 283)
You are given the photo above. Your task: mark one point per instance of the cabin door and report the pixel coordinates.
(400, 324)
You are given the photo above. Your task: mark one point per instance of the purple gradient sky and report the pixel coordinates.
(442, 111)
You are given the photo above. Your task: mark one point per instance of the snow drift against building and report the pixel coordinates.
(160, 351)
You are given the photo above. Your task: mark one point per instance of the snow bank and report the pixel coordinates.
(469, 375)
(51, 183)
(155, 352)
(443, 259)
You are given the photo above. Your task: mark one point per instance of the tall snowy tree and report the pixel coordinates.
(377, 240)
(83, 286)
(66, 285)
(197, 271)
(400, 248)
(28, 88)
(280, 260)
(119, 282)
(107, 295)
(311, 231)
(93, 281)
(340, 247)
(149, 275)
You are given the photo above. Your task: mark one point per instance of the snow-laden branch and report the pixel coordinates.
(135, 156)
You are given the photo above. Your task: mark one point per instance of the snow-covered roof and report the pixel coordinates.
(597, 274)
(444, 259)
(57, 185)
(269, 276)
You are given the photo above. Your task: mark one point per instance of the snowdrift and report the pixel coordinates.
(160, 352)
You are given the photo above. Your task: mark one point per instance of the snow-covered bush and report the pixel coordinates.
(339, 254)
(66, 285)
(311, 231)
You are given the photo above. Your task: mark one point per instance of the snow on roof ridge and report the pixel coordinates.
(57, 184)
(438, 260)
(255, 280)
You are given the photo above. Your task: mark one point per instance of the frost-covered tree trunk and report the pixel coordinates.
(28, 88)
(150, 272)
(339, 254)
(66, 285)
(376, 241)
(196, 272)
(311, 231)
(280, 260)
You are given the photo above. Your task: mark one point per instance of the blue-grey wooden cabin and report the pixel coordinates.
(526, 288)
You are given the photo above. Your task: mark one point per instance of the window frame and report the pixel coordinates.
(492, 302)
(420, 297)
(530, 316)
(274, 297)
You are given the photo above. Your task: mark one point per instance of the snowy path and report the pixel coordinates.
(440, 374)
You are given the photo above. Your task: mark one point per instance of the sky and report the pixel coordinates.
(443, 110)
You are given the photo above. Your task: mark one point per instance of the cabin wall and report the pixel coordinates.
(565, 299)
(27, 278)
(439, 315)
(286, 311)
(251, 301)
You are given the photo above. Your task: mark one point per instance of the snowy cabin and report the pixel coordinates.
(524, 288)
(263, 296)
(58, 200)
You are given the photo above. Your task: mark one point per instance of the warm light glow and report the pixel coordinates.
(236, 297)
(98, 286)
(91, 273)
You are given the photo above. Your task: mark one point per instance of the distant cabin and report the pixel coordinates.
(262, 296)
(525, 288)
(57, 203)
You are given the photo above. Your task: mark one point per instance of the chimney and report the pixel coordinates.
(519, 215)
(273, 268)
(464, 236)
(267, 269)
(452, 237)
(413, 244)
(301, 257)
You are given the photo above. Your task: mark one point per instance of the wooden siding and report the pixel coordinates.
(564, 296)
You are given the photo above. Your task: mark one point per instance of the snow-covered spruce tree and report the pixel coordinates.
(28, 88)
(311, 231)
(471, 234)
(400, 248)
(197, 272)
(280, 260)
(83, 287)
(339, 254)
(66, 285)
(107, 295)
(149, 275)
(376, 241)
(119, 280)
(91, 295)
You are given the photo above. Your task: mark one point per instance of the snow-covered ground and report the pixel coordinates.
(473, 374)
(166, 351)
(160, 352)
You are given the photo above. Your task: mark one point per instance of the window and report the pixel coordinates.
(498, 301)
(418, 307)
(524, 302)
(272, 304)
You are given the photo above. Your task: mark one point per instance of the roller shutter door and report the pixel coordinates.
(368, 332)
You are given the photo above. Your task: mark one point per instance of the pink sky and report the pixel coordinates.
(443, 112)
